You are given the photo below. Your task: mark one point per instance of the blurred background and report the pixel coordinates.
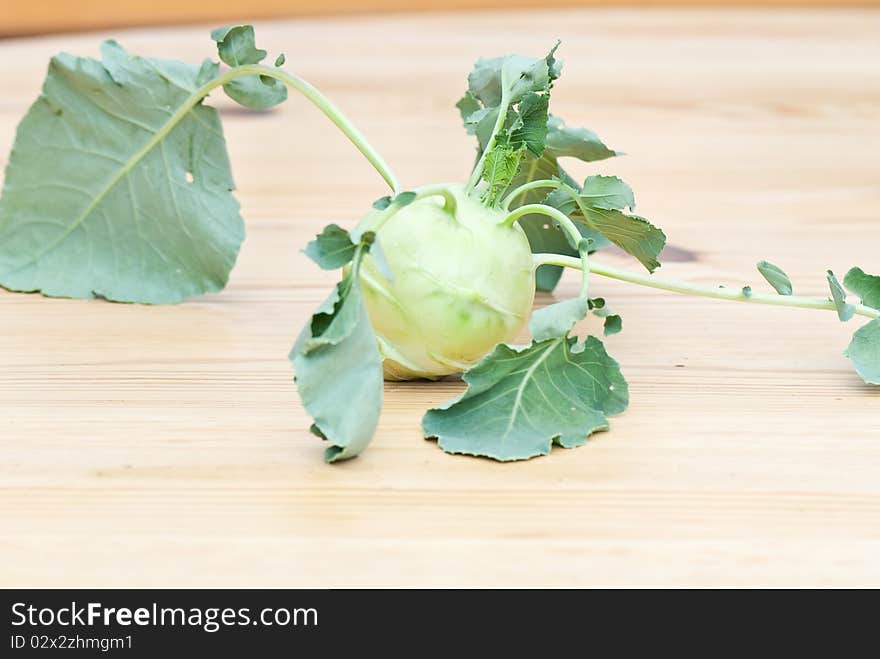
(23, 17)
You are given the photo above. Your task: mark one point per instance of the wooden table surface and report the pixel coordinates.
(166, 446)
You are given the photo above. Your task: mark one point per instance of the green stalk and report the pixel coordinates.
(531, 185)
(699, 290)
(450, 205)
(575, 237)
(320, 101)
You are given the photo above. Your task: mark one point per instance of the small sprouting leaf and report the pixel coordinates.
(596, 303)
(382, 203)
(521, 401)
(747, 291)
(866, 286)
(339, 371)
(838, 295)
(607, 192)
(500, 166)
(776, 277)
(279, 61)
(109, 192)
(332, 248)
(864, 351)
(556, 320)
(613, 324)
(237, 47)
(404, 199)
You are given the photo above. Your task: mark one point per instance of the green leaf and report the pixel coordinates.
(382, 203)
(339, 371)
(596, 205)
(207, 72)
(613, 324)
(544, 237)
(519, 87)
(332, 248)
(580, 143)
(607, 192)
(547, 277)
(236, 45)
(109, 193)
(838, 295)
(404, 198)
(256, 92)
(522, 75)
(499, 168)
(279, 61)
(467, 106)
(747, 291)
(530, 129)
(866, 286)
(558, 319)
(632, 233)
(776, 277)
(521, 401)
(864, 351)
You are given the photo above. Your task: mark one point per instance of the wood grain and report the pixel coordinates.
(166, 446)
(23, 18)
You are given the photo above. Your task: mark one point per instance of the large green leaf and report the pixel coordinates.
(109, 193)
(521, 401)
(339, 370)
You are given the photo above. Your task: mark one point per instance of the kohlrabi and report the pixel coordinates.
(119, 186)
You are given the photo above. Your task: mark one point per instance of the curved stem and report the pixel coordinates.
(575, 237)
(320, 101)
(687, 288)
(525, 187)
(450, 205)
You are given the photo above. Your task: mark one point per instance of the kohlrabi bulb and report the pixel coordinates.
(460, 286)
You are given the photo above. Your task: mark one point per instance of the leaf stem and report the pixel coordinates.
(699, 290)
(525, 187)
(320, 101)
(450, 205)
(574, 236)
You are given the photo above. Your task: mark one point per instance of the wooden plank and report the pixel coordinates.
(23, 18)
(165, 446)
